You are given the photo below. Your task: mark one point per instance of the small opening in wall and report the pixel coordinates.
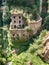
(14, 17)
(23, 34)
(19, 17)
(19, 21)
(14, 21)
(13, 35)
(19, 25)
(14, 26)
(18, 35)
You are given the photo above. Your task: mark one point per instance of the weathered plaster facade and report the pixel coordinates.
(36, 25)
(17, 21)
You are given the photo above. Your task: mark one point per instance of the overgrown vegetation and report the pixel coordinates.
(31, 54)
(23, 51)
(2, 57)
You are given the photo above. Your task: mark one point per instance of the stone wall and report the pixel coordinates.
(35, 26)
(19, 33)
(23, 33)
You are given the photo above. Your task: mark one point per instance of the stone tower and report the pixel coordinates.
(17, 21)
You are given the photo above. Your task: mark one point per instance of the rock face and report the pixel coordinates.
(46, 47)
(29, 63)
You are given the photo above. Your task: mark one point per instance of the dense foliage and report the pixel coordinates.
(2, 57)
(29, 55)
(21, 2)
(25, 51)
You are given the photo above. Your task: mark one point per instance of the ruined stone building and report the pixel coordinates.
(17, 28)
